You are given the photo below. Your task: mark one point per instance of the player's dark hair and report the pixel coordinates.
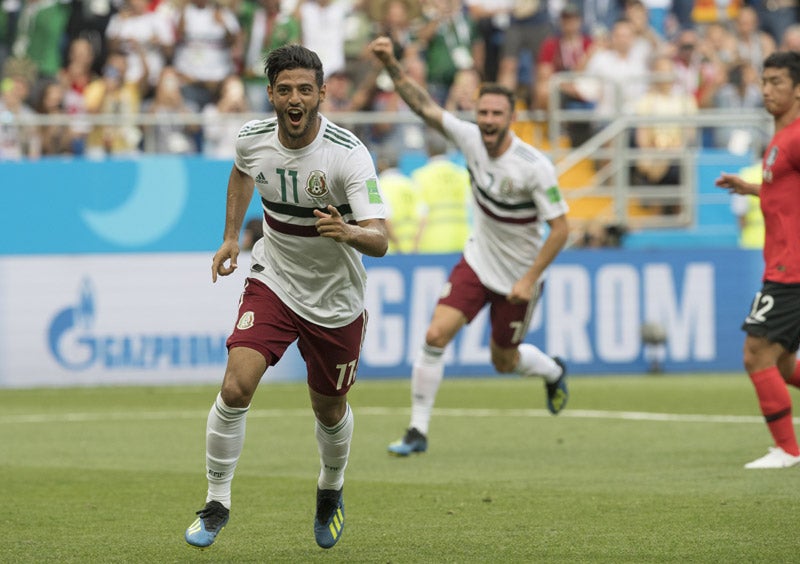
(291, 57)
(789, 60)
(494, 88)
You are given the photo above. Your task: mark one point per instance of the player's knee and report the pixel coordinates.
(435, 337)
(234, 394)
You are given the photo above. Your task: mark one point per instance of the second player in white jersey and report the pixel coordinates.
(335, 169)
(515, 194)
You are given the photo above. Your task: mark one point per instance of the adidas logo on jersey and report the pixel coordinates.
(261, 179)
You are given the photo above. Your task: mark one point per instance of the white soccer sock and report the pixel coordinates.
(334, 449)
(533, 362)
(426, 377)
(224, 440)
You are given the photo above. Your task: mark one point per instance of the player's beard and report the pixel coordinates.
(500, 137)
(307, 122)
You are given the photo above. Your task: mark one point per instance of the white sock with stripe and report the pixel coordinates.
(426, 377)
(334, 449)
(533, 362)
(224, 441)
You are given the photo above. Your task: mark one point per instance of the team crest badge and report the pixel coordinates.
(246, 320)
(317, 185)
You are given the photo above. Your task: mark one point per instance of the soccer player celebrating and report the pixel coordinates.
(515, 191)
(773, 324)
(322, 210)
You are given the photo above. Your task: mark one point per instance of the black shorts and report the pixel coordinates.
(775, 315)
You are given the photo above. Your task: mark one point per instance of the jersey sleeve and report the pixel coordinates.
(242, 148)
(547, 194)
(362, 187)
(462, 133)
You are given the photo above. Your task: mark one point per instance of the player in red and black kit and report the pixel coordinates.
(773, 324)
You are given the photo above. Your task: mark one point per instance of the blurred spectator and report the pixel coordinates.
(265, 28)
(775, 16)
(463, 94)
(55, 137)
(221, 121)
(621, 72)
(113, 96)
(75, 77)
(205, 38)
(718, 45)
(359, 31)
(448, 39)
(752, 44)
(741, 92)
(88, 19)
(397, 20)
(696, 75)
(404, 205)
(647, 41)
(168, 135)
(492, 18)
(134, 29)
(446, 193)
(790, 41)
(391, 137)
(338, 93)
(565, 51)
(17, 140)
(682, 10)
(322, 26)
(8, 24)
(41, 28)
(662, 99)
(599, 16)
(530, 25)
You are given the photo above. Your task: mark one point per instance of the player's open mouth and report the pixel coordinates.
(295, 116)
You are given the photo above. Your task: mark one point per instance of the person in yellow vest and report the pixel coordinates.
(404, 206)
(445, 190)
(748, 211)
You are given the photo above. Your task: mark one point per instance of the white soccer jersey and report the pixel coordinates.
(514, 195)
(319, 279)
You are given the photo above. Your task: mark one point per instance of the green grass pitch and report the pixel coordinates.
(636, 469)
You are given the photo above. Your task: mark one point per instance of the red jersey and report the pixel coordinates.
(780, 204)
(562, 55)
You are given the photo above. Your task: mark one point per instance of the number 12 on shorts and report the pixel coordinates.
(762, 304)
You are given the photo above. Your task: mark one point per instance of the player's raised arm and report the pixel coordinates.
(412, 93)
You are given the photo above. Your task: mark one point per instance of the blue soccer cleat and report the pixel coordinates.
(329, 520)
(210, 521)
(557, 394)
(412, 442)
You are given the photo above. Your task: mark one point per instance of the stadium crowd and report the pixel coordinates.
(205, 57)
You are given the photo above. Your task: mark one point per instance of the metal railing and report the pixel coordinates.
(609, 148)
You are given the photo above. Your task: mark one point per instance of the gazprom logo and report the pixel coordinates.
(75, 345)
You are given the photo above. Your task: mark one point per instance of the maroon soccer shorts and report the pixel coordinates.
(465, 292)
(265, 324)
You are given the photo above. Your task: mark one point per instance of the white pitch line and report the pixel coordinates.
(380, 412)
